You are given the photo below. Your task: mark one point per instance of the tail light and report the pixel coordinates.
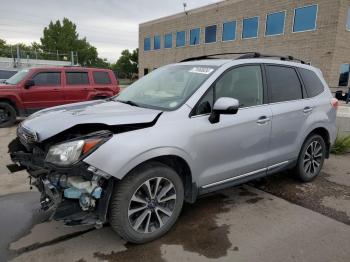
(335, 103)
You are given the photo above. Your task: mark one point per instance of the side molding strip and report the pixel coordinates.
(234, 178)
(245, 175)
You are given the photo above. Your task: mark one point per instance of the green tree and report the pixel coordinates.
(127, 64)
(63, 36)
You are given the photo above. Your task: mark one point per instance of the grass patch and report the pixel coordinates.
(341, 145)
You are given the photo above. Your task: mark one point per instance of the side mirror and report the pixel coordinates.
(223, 106)
(29, 83)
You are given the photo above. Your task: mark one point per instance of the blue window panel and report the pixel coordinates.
(348, 20)
(250, 27)
(156, 42)
(195, 36)
(305, 18)
(210, 34)
(168, 41)
(229, 31)
(147, 44)
(181, 39)
(275, 23)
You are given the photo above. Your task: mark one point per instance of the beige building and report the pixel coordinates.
(317, 31)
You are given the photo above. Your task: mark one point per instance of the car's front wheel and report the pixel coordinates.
(7, 115)
(146, 203)
(311, 158)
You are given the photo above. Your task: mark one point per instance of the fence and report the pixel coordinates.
(21, 56)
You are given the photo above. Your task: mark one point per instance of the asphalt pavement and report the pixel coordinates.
(275, 219)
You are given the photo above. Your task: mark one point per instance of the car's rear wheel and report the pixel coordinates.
(7, 115)
(146, 203)
(311, 158)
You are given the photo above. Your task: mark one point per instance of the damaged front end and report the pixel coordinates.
(71, 190)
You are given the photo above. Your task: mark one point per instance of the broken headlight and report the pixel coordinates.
(68, 153)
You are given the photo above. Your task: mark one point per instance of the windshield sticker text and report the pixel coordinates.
(201, 70)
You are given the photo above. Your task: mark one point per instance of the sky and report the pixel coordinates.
(109, 25)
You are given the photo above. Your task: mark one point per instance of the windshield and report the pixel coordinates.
(166, 88)
(15, 79)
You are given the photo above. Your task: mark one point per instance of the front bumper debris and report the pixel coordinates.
(77, 195)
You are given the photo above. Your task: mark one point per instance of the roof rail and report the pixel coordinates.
(245, 55)
(212, 56)
(283, 58)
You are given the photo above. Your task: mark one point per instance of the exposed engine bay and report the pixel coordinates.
(71, 190)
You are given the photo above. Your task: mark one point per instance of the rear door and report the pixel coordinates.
(289, 113)
(46, 92)
(77, 86)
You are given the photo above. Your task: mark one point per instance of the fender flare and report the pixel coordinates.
(151, 154)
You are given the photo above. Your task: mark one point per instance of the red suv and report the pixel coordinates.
(33, 89)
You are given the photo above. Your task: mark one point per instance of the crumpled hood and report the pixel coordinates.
(49, 122)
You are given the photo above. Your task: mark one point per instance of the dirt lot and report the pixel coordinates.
(274, 219)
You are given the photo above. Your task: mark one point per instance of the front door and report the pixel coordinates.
(46, 92)
(235, 146)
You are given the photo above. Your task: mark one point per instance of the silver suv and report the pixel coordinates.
(184, 130)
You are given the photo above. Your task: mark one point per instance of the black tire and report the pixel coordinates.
(132, 185)
(7, 115)
(306, 168)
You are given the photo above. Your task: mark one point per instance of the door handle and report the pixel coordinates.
(263, 120)
(307, 109)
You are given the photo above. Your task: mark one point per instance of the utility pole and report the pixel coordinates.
(72, 57)
(18, 56)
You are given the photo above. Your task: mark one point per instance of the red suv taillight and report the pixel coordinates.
(335, 103)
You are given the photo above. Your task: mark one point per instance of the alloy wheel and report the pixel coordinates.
(313, 158)
(151, 205)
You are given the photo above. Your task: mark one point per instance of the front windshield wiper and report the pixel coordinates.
(129, 102)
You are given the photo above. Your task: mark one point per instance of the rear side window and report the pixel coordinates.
(47, 79)
(101, 78)
(77, 78)
(312, 83)
(284, 84)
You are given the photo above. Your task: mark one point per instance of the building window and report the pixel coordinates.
(348, 20)
(250, 27)
(344, 75)
(180, 39)
(156, 42)
(229, 31)
(305, 18)
(210, 34)
(275, 23)
(147, 44)
(195, 36)
(145, 71)
(168, 41)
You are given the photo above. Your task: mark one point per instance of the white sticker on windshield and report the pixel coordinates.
(201, 70)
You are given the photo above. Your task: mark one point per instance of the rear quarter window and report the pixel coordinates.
(101, 78)
(77, 78)
(312, 82)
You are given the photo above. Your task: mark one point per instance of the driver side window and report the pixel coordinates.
(243, 83)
